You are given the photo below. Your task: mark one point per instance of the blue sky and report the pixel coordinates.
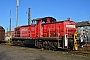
(77, 10)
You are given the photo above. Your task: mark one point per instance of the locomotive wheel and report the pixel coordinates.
(39, 45)
(16, 43)
(22, 43)
(48, 46)
(53, 47)
(13, 42)
(71, 44)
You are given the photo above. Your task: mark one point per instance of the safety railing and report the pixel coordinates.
(51, 32)
(46, 32)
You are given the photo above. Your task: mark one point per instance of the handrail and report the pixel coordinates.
(49, 32)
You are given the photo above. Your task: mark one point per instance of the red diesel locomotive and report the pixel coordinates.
(46, 33)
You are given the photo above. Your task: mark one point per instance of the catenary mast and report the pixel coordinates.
(17, 4)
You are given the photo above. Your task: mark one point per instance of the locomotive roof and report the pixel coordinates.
(26, 25)
(68, 19)
(64, 21)
(58, 22)
(37, 19)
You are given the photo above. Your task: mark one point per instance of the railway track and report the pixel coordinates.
(85, 48)
(81, 52)
(8, 44)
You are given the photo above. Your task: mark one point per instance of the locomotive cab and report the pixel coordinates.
(44, 20)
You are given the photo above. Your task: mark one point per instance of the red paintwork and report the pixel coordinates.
(24, 31)
(15, 31)
(48, 29)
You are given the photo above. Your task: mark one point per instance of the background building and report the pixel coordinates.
(83, 28)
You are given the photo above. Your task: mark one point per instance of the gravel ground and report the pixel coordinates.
(22, 53)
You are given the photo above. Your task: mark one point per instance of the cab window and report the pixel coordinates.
(44, 20)
(51, 20)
